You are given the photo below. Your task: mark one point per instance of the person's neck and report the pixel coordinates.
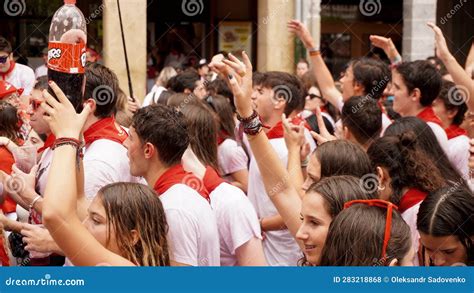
(414, 110)
(155, 171)
(90, 121)
(446, 123)
(274, 119)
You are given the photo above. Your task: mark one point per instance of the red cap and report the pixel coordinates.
(6, 89)
(70, 2)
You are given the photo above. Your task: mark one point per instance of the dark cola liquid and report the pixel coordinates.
(71, 85)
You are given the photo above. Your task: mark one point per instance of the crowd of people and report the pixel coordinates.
(224, 166)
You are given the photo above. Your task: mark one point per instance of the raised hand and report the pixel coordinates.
(298, 28)
(242, 89)
(323, 135)
(294, 134)
(61, 115)
(387, 46)
(442, 51)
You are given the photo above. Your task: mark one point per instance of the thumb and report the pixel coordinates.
(16, 170)
(85, 112)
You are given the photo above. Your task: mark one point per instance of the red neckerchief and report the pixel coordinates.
(277, 130)
(4, 259)
(212, 179)
(379, 102)
(4, 74)
(48, 143)
(221, 136)
(412, 197)
(105, 129)
(177, 175)
(428, 115)
(454, 131)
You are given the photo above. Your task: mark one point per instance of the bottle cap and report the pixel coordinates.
(70, 2)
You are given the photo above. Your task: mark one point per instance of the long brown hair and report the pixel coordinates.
(225, 116)
(9, 121)
(133, 206)
(407, 164)
(355, 238)
(202, 128)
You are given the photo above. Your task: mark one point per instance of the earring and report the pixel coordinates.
(381, 187)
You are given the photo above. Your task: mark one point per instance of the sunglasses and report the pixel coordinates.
(3, 59)
(388, 222)
(35, 104)
(313, 96)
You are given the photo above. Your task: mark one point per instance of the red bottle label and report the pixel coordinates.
(67, 58)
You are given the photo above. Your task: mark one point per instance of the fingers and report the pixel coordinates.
(247, 63)
(85, 112)
(320, 139)
(48, 98)
(16, 170)
(58, 92)
(234, 85)
(237, 67)
(319, 118)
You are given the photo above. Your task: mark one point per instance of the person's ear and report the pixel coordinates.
(451, 113)
(415, 95)
(347, 133)
(279, 102)
(134, 235)
(187, 91)
(92, 103)
(149, 150)
(358, 89)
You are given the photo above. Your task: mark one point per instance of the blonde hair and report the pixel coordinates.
(165, 75)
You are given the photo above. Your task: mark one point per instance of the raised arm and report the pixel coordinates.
(321, 72)
(388, 47)
(60, 200)
(469, 67)
(275, 177)
(460, 77)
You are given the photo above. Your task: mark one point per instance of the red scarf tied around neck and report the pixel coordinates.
(177, 175)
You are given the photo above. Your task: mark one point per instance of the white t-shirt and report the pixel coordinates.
(237, 220)
(442, 138)
(153, 95)
(23, 77)
(459, 149)
(410, 216)
(279, 246)
(231, 158)
(41, 71)
(193, 236)
(105, 162)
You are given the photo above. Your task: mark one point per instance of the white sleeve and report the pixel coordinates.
(182, 237)
(232, 159)
(28, 81)
(442, 138)
(97, 174)
(241, 224)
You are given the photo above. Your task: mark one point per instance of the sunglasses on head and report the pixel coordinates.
(35, 104)
(388, 221)
(3, 59)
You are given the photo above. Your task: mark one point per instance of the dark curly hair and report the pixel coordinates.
(407, 164)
